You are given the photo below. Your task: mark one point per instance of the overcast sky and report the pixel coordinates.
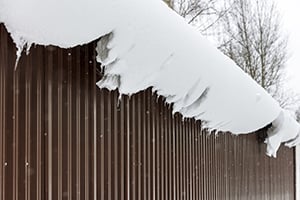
(291, 22)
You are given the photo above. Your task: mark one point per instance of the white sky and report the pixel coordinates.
(291, 22)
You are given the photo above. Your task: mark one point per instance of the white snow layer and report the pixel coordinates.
(145, 44)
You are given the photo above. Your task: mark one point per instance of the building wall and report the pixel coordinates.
(62, 138)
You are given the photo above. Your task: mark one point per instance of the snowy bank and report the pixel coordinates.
(145, 44)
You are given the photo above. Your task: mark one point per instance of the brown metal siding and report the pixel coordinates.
(21, 124)
(69, 123)
(62, 138)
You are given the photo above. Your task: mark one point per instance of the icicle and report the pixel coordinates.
(119, 100)
(21, 44)
(28, 47)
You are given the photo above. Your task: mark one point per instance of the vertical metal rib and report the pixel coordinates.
(121, 150)
(116, 136)
(6, 109)
(28, 109)
(170, 156)
(176, 158)
(192, 167)
(78, 129)
(197, 154)
(1, 124)
(204, 175)
(190, 161)
(2, 110)
(39, 130)
(128, 175)
(133, 184)
(87, 129)
(15, 118)
(165, 153)
(149, 144)
(143, 154)
(49, 125)
(157, 154)
(102, 137)
(59, 124)
(180, 133)
(70, 129)
(138, 144)
(184, 161)
(109, 146)
(173, 163)
(94, 108)
(162, 150)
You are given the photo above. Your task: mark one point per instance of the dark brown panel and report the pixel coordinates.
(63, 138)
(70, 141)
(21, 123)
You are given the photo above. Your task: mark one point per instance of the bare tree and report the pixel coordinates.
(252, 38)
(298, 115)
(203, 14)
(249, 32)
(287, 98)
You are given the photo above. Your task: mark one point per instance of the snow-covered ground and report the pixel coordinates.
(145, 44)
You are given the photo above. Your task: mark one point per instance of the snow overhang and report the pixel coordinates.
(145, 44)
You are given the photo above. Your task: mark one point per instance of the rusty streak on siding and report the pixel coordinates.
(63, 138)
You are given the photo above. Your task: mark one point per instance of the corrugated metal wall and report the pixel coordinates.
(21, 124)
(70, 134)
(62, 138)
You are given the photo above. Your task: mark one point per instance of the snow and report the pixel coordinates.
(284, 129)
(144, 44)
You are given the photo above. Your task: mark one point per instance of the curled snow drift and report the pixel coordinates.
(145, 44)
